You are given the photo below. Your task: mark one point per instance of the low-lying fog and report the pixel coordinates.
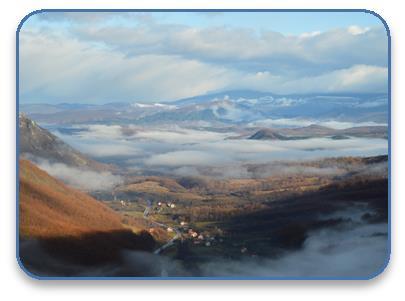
(300, 122)
(184, 152)
(355, 249)
(357, 252)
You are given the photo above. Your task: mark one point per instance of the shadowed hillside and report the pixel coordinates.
(288, 221)
(69, 225)
(36, 141)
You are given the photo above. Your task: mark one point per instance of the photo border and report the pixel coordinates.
(32, 275)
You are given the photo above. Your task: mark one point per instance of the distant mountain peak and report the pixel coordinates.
(316, 126)
(267, 134)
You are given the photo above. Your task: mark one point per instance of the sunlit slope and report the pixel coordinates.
(71, 226)
(48, 208)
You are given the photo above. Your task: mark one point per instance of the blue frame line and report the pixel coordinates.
(366, 11)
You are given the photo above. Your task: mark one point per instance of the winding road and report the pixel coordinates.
(171, 241)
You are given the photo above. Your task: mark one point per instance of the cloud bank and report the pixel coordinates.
(110, 57)
(82, 179)
(358, 252)
(191, 152)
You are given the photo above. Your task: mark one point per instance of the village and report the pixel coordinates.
(178, 227)
(184, 229)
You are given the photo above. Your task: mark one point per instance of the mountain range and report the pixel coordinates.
(225, 108)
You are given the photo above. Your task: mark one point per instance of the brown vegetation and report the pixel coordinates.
(206, 199)
(48, 208)
(70, 224)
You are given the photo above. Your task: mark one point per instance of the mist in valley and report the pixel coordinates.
(355, 249)
(198, 152)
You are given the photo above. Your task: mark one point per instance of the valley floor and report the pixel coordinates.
(247, 221)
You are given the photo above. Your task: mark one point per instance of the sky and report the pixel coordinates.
(104, 57)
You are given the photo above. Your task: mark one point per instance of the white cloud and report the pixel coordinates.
(329, 253)
(181, 135)
(106, 149)
(153, 62)
(310, 34)
(222, 153)
(356, 30)
(190, 157)
(100, 141)
(229, 44)
(79, 178)
(301, 122)
(358, 78)
(179, 147)
(101, 131)
(68, 70)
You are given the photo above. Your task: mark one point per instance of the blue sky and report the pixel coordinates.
(289, 23)
(283, 22)
(164, 56)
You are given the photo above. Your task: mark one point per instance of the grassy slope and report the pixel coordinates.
(69, 224)
(48, 208)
